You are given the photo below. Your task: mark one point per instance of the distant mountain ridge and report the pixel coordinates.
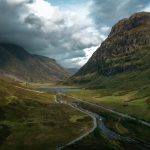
(17, 63)
(126, 50)
(72, 70)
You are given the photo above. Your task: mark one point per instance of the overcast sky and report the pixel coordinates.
(67, 30)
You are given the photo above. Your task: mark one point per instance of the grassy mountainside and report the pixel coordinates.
(118, 72)
(17, 63)
(125, 50)
(32, 120)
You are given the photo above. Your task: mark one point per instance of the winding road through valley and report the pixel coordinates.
(83, 111)
(109, 110)
(98, 122)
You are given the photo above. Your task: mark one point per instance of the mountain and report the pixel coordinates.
(123, 56)
(17, 63)
(72, 70)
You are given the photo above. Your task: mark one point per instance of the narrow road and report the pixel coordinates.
(109, 110)
(109, 134)
(92, 115)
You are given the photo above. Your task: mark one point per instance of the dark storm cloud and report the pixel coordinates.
(63, 34)
(19, 25)
(14, 25)
(108, 12)
(33, 21)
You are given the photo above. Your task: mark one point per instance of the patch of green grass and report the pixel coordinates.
(32, 120)
(135, 103)
(95, 141)
(41, 127)
(129, 128)
(121, 125)
(76, 118)
(121, 129)
(48, 85)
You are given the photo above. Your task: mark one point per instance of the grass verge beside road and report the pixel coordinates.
(32, 120)
(125, 102)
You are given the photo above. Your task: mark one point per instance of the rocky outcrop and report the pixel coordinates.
(127, 24)
(124, 49)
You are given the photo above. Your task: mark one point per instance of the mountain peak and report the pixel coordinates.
(125, 50)
(136, 20)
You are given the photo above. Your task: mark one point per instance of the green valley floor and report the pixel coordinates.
(32, 120)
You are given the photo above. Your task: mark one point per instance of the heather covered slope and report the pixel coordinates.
(124, 54)
(32, 120)
(118, 72)
(16, 62)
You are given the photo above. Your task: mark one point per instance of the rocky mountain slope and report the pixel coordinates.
(17, 63)
(125, 51)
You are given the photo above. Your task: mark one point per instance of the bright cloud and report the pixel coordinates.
(147, 8)
(45, 29)
(80, 61)
(69, 33)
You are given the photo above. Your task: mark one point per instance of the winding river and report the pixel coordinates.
(97, 120)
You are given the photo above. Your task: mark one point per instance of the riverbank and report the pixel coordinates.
(127, 102)
(31, 120)
(107, 132)
(90, 114)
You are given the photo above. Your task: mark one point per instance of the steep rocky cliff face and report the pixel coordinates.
(16, 62)
(125, 50)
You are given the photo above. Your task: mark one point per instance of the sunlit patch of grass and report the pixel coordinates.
(76, 118)
(132, 102)
(32, 120)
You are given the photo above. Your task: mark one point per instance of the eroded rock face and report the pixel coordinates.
(127, 24)
(124, 49)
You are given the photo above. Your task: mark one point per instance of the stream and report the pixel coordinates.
(109, 134)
